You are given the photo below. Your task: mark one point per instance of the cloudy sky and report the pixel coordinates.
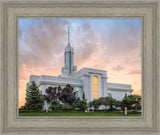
(113, 45)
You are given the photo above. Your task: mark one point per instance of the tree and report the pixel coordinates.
(125, 95)
(102, 101)
(117, 103)
(84, 96)
(95, 103)
(109, 101)
(53, 95)
(82, 105)
(68, 96)
(105, 101)
(126, 103)
(136, 101)
(56, 95)
(131, 102)
(34, 98)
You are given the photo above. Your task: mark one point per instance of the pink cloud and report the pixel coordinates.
(134, 72)
(118, 68)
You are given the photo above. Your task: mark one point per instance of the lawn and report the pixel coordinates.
(78, 114)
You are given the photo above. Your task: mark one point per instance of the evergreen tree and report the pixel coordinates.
(125, 95)
(83, 96)
(34, 98)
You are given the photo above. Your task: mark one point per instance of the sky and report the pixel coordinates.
(113, 45)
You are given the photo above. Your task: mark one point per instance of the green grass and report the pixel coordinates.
(77, 114)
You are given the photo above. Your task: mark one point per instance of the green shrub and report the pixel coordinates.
(81, 105)
(54, 107)
(23, 111)
(133, 112)
(60, 107)
(66, 107)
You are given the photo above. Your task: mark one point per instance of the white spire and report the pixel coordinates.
(68, 37)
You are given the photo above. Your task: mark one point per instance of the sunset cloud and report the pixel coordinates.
(118, 68)
(134, 72)
(138, 92)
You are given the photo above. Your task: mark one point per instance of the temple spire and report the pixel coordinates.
(69, 69)
(68, 37)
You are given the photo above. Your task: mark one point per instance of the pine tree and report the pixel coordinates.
(83, 96)
(34, 98)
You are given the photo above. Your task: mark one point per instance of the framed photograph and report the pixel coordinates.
(80, 67)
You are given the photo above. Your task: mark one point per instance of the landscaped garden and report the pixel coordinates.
(64, 102)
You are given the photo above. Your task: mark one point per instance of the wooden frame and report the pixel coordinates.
(147, 10)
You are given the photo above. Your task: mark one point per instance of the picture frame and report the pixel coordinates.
(147, 10)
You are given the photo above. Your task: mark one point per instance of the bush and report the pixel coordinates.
(54, 107)
(66, 107)
(60, 107)
(23, 111)
(81, 105)
(131, 102)
(133, 112)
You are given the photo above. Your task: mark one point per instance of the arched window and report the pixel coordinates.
(95, 87)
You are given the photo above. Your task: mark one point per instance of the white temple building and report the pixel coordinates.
(92, 82)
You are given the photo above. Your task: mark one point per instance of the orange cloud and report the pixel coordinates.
(134, 72)
(118, 68)
(138, 92)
